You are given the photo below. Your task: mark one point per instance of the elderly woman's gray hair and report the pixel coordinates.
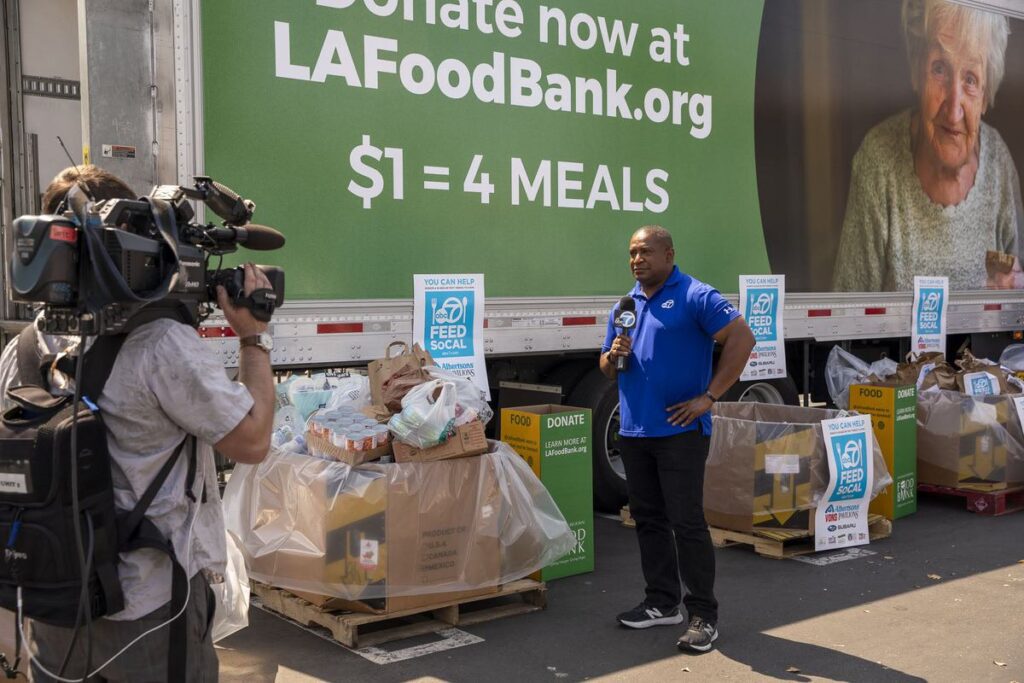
(987, 31)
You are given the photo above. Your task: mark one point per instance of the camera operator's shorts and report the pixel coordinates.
(146, 660)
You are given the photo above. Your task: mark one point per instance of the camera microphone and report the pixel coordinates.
(626, 321)
(252, 236)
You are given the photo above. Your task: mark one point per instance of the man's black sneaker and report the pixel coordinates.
(645, 616)
(699, 636)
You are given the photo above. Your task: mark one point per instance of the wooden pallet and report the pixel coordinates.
(352, 628)
(780, 544)
(991, 503)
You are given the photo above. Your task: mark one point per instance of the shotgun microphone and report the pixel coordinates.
(626, 321)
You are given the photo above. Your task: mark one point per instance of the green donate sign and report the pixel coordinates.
(520, 140)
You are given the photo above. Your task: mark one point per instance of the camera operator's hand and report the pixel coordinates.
(239, 317)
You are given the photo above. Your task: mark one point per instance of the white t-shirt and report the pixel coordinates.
(165, 383)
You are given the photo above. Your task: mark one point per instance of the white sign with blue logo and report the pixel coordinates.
(448, 321)
(980, 384)
(762, 301)
(931, 300)
(841, 519)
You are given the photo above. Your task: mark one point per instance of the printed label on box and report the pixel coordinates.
(782, 464)
(369, 553)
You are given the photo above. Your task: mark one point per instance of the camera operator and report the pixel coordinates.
(165, 385)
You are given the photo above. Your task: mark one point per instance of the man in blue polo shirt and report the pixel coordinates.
(665, 396)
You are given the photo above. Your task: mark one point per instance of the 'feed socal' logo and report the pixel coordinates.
(762, 307)
(849, 452)
(982, 386)
(929, 311)
(449, 324)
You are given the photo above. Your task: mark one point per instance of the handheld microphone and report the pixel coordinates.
(626, 320)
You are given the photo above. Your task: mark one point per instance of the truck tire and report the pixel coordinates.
(601, 395)
(775, 391)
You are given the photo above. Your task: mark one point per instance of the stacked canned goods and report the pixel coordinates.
(349, 429)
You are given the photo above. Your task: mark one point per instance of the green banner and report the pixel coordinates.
(519, 140)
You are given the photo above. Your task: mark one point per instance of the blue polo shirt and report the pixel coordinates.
(672, 353)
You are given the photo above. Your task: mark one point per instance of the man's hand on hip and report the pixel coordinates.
(239, 317)
(682, 414)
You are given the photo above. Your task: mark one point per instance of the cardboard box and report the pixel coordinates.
(556, 442)
(411, 535)
(968, 442)
(893, 411)
(765, 464)
(782, 480)
(323, 448)
(468, 440)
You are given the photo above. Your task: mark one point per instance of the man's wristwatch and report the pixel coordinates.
(262, 340)
(711, 397)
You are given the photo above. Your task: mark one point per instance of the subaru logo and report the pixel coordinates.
(832, 527)
(669, 304)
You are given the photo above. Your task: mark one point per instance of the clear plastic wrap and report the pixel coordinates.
(843, 369)
(1012, 357)
(968, 440)
(767, 465)
(309, 394)
(232, 594)
(387, 530)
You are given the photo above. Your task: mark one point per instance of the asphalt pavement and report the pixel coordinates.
(942, 599)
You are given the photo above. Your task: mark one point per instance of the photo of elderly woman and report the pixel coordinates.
(934, 189)
(881, 152)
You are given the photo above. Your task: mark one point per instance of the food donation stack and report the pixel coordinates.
(968, 414)
(768, 468)
(381, 493)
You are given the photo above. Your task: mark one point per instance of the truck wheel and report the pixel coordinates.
(775, 391)
(601, 395)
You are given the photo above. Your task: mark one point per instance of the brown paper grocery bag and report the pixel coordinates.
(398, 366)
(968, 364)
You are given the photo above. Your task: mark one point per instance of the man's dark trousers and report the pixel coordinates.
(665, 479)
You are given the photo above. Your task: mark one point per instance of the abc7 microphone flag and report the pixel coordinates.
(625, 321)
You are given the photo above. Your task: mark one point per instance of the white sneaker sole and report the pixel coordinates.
(647, 623)
(698, 648)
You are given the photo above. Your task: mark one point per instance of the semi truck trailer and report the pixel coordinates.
(522, 140)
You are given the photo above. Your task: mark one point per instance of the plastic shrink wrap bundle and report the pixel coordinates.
(767, 466)
(386, 535)
(969, 441)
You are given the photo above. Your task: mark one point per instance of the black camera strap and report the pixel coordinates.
(108, 282)
(31, 369)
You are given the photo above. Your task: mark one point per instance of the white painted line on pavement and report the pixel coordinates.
(834, 557)
(451, 638)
